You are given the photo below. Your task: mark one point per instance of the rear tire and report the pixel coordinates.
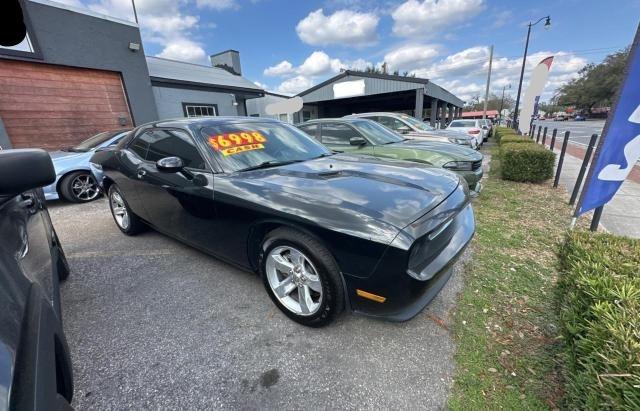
(307, 289)
(79, 187)
(126, 220)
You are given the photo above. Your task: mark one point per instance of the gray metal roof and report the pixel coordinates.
(196, 74)
(376, 83)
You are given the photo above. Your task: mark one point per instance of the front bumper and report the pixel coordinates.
(405, 295)
(472, 178)
(50, 192)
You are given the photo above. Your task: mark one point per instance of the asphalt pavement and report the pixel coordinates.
(152, 323)
(581, 131)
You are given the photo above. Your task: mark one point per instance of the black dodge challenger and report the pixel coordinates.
(323, 230)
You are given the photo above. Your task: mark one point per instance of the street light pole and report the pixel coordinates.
(547, 24)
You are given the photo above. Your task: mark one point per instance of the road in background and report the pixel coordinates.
(581, 131)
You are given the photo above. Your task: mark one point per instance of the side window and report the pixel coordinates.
(390, 122)
(140, 144)
(337, 134)
(169, 143)
(310, 129)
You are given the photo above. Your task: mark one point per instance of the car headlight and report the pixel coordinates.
(458, 165)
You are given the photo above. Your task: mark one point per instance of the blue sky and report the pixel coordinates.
(288, 46)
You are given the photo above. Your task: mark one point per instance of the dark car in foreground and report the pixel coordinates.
(35, 367)
(323, 230)
(363, 136)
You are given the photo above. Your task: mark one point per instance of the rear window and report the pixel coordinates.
(463, 123)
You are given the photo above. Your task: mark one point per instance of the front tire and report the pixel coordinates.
(301, 277)
(79, 187)
(126, 220)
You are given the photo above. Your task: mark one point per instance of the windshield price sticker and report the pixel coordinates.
(234, 143)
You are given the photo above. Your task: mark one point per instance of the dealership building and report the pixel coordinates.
(78, 73)
(358, 92)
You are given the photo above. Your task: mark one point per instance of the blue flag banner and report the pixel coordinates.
(619, 147)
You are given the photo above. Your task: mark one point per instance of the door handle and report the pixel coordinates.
(141, 173)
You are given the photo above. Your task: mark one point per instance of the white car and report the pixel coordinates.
(473, 128)
(411, 127)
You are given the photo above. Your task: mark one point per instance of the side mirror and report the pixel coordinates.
(403, 129)
(357, 141)
(170, 165)
(25, 169)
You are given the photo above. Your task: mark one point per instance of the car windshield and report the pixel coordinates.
(239, 146)
(463, 123)
(376, 133)
(415, 123)
(95, 141)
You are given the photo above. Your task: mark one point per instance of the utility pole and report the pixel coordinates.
(135, 13)
(486, 92)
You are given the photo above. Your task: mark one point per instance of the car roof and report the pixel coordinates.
(376, 113)
(209, 121)
(336, 119)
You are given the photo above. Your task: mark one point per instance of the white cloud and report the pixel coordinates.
(319, 63)
(217, 4)
(343, 27)
(315, 68)
(162, 22)
(431, 16)
(295, 85)
(410, 56)
(170, 24)
(183, 50)
(280, 69)
(464, 73)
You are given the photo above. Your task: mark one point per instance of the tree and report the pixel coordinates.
(493, 103)
(596, 84)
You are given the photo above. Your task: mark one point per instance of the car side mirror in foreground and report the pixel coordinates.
(170, 164)
(357, 141)
(24, 169)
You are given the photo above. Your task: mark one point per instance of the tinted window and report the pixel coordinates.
(237, 145)
(390, 122)
(337, 134)
(463, 123)
(169, 143)
(309, 129)
(140, 145)
(376, 133)
(97, 140)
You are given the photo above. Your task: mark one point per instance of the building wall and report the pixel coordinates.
(169, 101)
(68, 38)
(257, 107)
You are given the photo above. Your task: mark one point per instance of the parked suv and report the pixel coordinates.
(411, 127)
(35, 367)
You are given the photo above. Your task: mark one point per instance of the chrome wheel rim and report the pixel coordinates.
(294, 280)
(84, 187)
(119, 210)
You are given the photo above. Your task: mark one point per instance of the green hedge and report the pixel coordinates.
(599, 295)
(512, 138)
(502, 132)
(526, 162)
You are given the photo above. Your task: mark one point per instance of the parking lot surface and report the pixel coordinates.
(152, 323)
(581, 131)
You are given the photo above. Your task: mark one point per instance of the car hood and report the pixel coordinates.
(357, 195)
(455, 151)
